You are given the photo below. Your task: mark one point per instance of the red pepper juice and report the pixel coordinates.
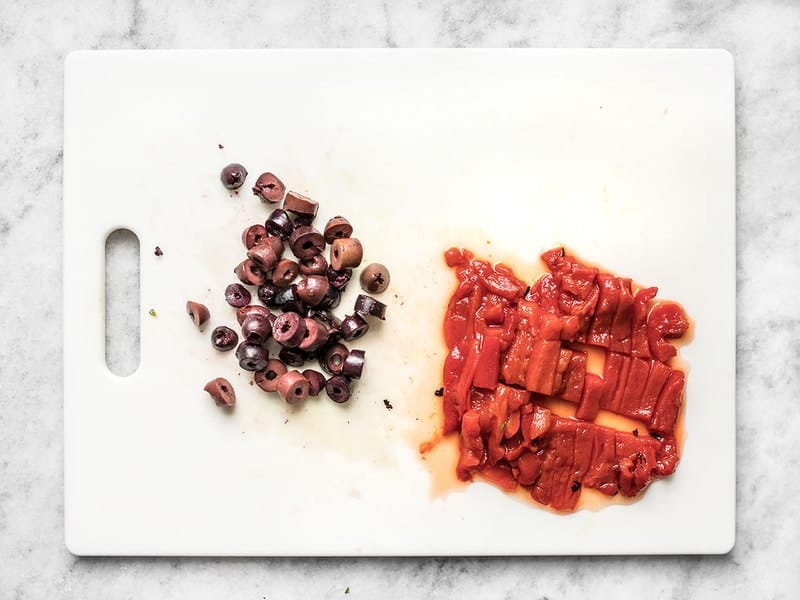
(567, 392)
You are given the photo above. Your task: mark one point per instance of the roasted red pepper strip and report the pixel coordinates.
(487, 366)
(574, 377)
(666, 320)
(620, 334)
(611, 375)
(593, 390)
(542, 366)
(630, 405)
(656, 379)
(640, 347)
(669, 404)
(600, 328)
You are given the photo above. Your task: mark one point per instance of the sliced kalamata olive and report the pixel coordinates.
(253, 235)
(267, 378)
(353, 364)
(224, 338)
(294, 357)
(306, 242)
(333, 358)
(374, 278)
(252, 357)
(312, 289)
(338, 227)
(263, 256)
(237, 295)
(248, 272)
(267, 293)
(276, 243)
(315, 337)
(293, 387)
(279, 224)
(198, 312)
(316, 265)
(326, 316)
(284, 272)
(316, 381)
(252, 309)
(285, 296)
(221, 390)
(367, 305)
(288, 301)
(256, 328)
(346, 253)
(331, 299)
(269, 188)
(338, 389)
(300, 205)
(353, 327)
(339, 279)
(233, 176)
(289, 329)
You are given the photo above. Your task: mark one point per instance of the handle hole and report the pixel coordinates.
(122, 302)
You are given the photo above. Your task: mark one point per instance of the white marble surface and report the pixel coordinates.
(764, 37)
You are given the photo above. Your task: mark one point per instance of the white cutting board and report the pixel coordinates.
(627, 157)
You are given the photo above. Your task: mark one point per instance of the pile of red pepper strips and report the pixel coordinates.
(512, 346)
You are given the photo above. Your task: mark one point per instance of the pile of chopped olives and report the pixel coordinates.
(298, 294)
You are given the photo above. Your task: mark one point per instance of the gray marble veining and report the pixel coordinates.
(764, 36)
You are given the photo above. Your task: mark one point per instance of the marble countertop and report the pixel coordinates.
(764, 37)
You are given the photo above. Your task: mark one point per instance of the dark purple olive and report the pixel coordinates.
(249, 272)
(252, 357)
(306, 242)
(327, 317)
(267, 378)
(312, 289)
(279, 224)
(294, 357)
(269, 188)
(289, 329)
(367, 305)
(251, 309)
(346, 253)
(275, 243)
(267, 293)
(338, 389)
(353, 364)
(316, 381)
(221, 390)
(293, 387)
(224, 338)
(237, 295)
(288, 301)
(263, 256)
(315, 337)
(256, 329)
(316, 265)
(331, 299)
(198, 312)
(339, 279)
(304, 207)
(284, 273)
(374, 278)
(233, 176)
(337, 227)
(333, 358)
(285, 295)
(253, 235)
(353, 327)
